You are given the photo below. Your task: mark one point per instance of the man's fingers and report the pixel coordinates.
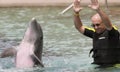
(89, 6)
(94, 1)
(77, 3)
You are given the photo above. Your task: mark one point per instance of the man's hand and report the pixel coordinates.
(94, 5)
(76, 6)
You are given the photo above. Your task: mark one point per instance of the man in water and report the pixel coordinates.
(105, 36)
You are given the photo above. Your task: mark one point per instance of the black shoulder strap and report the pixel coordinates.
(90, 52)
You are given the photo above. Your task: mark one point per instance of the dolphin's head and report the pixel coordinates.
(33, 32)
(36, 37)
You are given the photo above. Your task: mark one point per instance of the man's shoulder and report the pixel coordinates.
(88, 28)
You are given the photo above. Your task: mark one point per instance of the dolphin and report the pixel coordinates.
(29, 51)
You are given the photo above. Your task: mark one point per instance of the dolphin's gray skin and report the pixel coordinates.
(29, 51)
(8, 52)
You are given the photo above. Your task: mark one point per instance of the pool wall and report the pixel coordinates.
(22, 3)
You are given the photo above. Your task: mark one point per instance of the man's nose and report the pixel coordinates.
(95, 27)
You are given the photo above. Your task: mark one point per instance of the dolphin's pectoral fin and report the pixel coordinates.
(37, 61)
(8, 52)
